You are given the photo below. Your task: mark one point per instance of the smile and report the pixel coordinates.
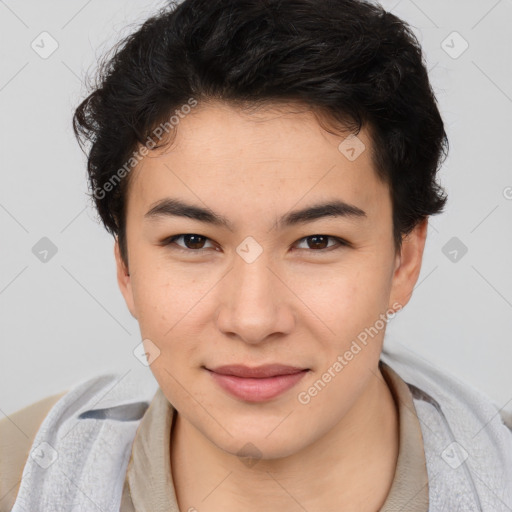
(257, 389)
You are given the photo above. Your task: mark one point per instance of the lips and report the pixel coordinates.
(257, 384)
(258, 372)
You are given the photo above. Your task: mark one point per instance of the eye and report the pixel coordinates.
(192, 242)
(196, 243)
(319, 242)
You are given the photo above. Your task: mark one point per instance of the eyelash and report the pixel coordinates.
(171, 240)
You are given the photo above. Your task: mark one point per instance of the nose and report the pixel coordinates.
(255, 302)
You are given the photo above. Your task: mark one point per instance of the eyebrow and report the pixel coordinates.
(169, 207)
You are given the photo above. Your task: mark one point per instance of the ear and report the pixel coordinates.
(408, 266)
(124, 280)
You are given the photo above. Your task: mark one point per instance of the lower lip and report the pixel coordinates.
(257, 390)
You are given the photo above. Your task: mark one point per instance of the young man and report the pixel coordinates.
(268, 170)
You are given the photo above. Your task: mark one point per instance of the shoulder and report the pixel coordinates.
(101, 416)
(17, 433)
(465, 433)
(19, 429)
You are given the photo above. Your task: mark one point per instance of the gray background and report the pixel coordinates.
(63, 320)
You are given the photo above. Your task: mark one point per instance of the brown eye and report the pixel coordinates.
(194, 241)
(317, 243)
(191, 242)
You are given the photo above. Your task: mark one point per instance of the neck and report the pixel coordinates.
(350, 468)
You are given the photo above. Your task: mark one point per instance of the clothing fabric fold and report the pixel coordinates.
(467, 443)
(105, 445)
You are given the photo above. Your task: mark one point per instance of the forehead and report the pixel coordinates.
(273, 157)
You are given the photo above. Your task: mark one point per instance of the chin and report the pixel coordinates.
(255, 444)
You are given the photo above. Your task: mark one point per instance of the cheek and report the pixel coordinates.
(346, 299)
(160, 299)
(168, 318)
(171, 306)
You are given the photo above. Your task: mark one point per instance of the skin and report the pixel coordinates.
(295, 304)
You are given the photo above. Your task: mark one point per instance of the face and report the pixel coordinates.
(253, 282)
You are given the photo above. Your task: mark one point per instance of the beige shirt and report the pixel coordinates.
(148, 483)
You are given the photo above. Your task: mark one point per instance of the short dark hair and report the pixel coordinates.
(349, 60)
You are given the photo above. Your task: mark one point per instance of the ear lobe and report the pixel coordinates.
(124, 280)
(408, 264)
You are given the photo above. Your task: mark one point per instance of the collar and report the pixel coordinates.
(149, 485)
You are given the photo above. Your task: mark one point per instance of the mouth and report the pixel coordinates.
(256, 384)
